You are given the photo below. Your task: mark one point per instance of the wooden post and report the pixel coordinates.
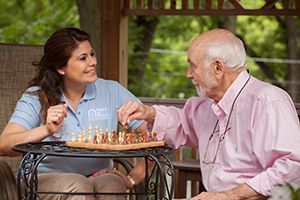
(114, 48)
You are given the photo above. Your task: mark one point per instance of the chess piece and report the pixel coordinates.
(106, 137)
(90, 137)
(132, 138)
(149, 137)
(114, 137)
(73, 137)
(139, 136)
(154, 136)
(101, 136)
(120, 139)
(79, 137)
(95, 140)
(124, 137)
(96, 136)
(83, 136)
(144, 136)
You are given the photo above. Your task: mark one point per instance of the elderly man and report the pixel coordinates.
(247, 131)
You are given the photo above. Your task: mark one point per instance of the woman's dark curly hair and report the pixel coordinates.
(57, 51)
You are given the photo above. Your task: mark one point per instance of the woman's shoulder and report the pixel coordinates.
(100, 82)
(32, 89)
(31, 94)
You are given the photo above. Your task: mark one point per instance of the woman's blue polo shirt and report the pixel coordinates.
(97, 108)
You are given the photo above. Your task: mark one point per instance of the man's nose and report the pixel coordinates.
(189, 74)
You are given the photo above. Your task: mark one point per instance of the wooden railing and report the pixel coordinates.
(209, 7)
(180, 102)
(167, 102)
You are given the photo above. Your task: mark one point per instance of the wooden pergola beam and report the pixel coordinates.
(114, 41)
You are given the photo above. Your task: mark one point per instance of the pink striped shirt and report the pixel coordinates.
(262, 147)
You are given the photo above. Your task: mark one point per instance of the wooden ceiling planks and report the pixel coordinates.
(208, 7)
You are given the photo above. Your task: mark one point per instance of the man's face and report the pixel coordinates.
(201, 76)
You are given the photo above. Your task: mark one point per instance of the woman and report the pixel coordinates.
(66, 97)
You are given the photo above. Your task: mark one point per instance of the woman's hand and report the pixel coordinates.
(55, 117)
(125, 179)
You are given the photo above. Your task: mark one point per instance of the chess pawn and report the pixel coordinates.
(73, 137)
(106, 137)
(95, 140)
(83, 136)
(114, 137)
(117, 138)
(101, 136)
(96, 136)
(126, 138)
(79, 137)
(120, 139)
(132, 138)
(90, 139)
(149, 137)
(154, 136)
(132, 134)
(139, 136)
(144, 136)
(123, 137)
(109, 139)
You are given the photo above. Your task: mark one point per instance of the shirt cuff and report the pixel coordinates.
(160, 122)
(262, 183)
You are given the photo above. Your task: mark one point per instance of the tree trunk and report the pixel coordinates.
(89, 12)
(293, 75)
(147, 27)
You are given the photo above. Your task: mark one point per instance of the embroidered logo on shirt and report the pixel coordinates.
(98, 114)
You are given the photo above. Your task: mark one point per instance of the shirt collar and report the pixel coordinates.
(90, 93)
(222, 108)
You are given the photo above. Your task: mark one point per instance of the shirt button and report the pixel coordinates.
(78, 113)
(78, 125)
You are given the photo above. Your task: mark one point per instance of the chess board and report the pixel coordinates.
(116, 147)
(96, 139)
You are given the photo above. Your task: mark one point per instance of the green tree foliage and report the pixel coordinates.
(162, 73)
(31, 22)
(165, 71)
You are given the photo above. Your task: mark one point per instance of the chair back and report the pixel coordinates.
(16, 70)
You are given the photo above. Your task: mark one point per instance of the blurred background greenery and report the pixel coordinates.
(158, 45)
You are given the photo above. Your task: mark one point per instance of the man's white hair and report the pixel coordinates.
(231, 52)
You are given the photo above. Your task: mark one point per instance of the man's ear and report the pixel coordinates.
(219, 68)
(61, 71)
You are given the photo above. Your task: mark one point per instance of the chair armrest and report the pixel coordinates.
(8, 186)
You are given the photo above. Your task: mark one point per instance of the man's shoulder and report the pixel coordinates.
(199, 100)
(265, 91)
(195, 102)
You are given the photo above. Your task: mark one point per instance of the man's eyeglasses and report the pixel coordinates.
(221, 138)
